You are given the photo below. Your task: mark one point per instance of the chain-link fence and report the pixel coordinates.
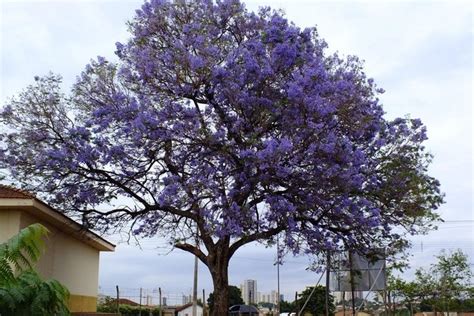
(144, 296)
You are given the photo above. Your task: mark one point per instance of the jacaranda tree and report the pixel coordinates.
(228, 126)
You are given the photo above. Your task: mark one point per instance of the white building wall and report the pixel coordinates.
(189, 311)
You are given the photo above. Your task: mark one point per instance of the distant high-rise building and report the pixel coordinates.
(249, 291)
(347, 296)
(269, 298)
(273, 297)
(187, 299)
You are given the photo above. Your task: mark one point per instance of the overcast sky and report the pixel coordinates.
(420, 52)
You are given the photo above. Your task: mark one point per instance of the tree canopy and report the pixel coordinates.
(226, 125)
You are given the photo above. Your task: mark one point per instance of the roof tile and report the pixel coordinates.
(8, 192)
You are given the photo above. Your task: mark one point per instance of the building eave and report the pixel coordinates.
(57, 219)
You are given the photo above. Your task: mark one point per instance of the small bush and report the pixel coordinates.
(128, 310)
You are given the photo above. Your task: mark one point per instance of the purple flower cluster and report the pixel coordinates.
(234, 123)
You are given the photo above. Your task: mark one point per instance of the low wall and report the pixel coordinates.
(94, 314)
(445, 314)
(82, 303)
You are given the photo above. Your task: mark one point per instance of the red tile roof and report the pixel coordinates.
(8, 192)
(125, 301)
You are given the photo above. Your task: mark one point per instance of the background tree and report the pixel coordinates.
(235, 298)
(287, 307)
(404, 292)
(444, 286)
(447, 280)
(317, 303)
(228, 126)
(22, 290)
(453, 273)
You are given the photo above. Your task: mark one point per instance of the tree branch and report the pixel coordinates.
(193, 250)
(254, 237)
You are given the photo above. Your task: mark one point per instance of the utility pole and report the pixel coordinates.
(328, 269)
(118, 299)
(195, 286)
(149, 302)
(278, 276)
(140, 310)
(297, 304)
(195, 283)
(352, 283)
(159, 293)
(204, 302)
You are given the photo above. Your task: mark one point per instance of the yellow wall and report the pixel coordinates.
(81, 303)
(9, 224)
(66, 259)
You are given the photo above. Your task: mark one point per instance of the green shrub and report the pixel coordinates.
(22, 290)
(127, 310)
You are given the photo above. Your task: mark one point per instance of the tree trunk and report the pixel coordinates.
(221, 292)
(218, 266)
